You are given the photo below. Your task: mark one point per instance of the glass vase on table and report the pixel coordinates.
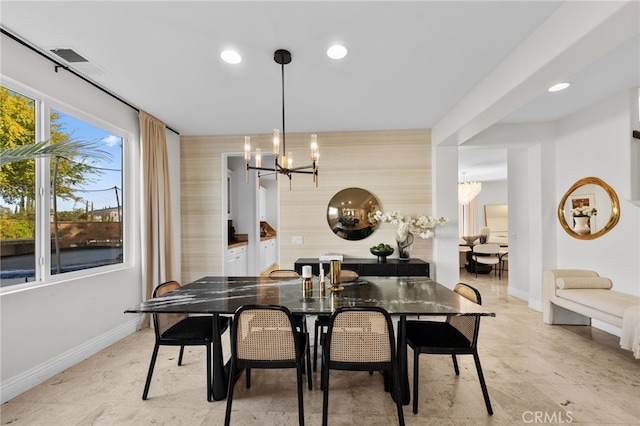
(405, 243)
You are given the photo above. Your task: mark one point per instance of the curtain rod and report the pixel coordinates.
(85, 79)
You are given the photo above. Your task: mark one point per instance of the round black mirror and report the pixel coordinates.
(348, 213)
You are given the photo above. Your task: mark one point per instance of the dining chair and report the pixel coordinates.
(265, 336)
(458, 335)
(360, 339)
(322, 321)
(504, 261)
(301, 319)
(182, 330)
(487, 254)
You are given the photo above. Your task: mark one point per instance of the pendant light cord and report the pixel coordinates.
(284, 132)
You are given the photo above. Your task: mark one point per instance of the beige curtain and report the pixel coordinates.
(157, 245)
(468, 218)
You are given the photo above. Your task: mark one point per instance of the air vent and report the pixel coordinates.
(69, 55)
(79, 62)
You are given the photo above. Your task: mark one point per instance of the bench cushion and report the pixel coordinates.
(584, 282)
(609, 301)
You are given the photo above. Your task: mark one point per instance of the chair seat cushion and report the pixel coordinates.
(435, 334)
(196, 328)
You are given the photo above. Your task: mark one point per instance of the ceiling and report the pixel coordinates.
(409, 63)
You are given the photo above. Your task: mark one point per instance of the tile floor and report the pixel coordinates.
(536, 374)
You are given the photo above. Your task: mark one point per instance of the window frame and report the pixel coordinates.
(43, 105)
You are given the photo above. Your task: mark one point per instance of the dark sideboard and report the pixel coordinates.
(371, 267)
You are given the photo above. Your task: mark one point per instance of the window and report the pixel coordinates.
(79, 226)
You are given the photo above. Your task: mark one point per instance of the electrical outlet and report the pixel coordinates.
(297, 240)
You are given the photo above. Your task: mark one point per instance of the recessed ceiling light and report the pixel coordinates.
(558, 87)
(337, 51)
(231, 57)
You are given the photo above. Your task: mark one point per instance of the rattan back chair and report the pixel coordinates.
(265, 336)
(360, 339)
(458, 335)
(182, 330)
(301, 320)
(322, 321)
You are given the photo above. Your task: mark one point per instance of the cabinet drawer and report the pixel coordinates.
(236, 250)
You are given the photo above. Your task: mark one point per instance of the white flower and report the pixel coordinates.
(584, 211)
(422, 225)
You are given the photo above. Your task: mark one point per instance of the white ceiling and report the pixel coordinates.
(409, 63)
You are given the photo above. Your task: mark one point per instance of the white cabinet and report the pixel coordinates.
(268, 254)
(236, 262)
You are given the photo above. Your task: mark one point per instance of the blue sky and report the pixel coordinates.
(101, 192)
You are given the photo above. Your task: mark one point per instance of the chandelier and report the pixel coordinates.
(467, 191)
(284, 166)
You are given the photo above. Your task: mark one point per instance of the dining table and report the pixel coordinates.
(400, 296)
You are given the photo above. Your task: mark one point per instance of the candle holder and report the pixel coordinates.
(307, 287)
(334, 276)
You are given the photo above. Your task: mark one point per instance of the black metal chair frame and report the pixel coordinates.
(389, 367)
(320, 325)
(237, 364)
(190, 331)
(442, 338)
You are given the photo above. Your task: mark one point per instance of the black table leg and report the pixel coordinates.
(220, 378)
(401, 352)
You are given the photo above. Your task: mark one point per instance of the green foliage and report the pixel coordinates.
(18, 151)
(77, 215)
(16, 229)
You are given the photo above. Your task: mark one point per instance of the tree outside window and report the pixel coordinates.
(84, 229)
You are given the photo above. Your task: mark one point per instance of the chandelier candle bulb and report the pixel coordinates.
(314, 147)
(258, 157)
(276, 142)
(289, 160)
(247, 149)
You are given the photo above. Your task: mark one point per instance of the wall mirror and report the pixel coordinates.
(575, 211)
(347, 213)
(496, 218)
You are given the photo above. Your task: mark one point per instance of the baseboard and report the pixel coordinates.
(14, 386)
(522, 295)
(536, 305)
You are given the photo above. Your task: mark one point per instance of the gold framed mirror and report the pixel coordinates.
(589, 209)
(347, 213)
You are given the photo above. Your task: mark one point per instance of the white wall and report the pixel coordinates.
(52, 326)
(493, 192)
(597, 142)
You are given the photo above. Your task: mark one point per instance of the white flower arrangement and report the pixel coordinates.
(422, 225)
(585, 211)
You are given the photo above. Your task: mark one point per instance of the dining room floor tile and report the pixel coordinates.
(535, 373)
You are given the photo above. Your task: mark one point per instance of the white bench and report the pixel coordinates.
(575, 296)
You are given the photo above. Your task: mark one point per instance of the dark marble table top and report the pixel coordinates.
(398, 295)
